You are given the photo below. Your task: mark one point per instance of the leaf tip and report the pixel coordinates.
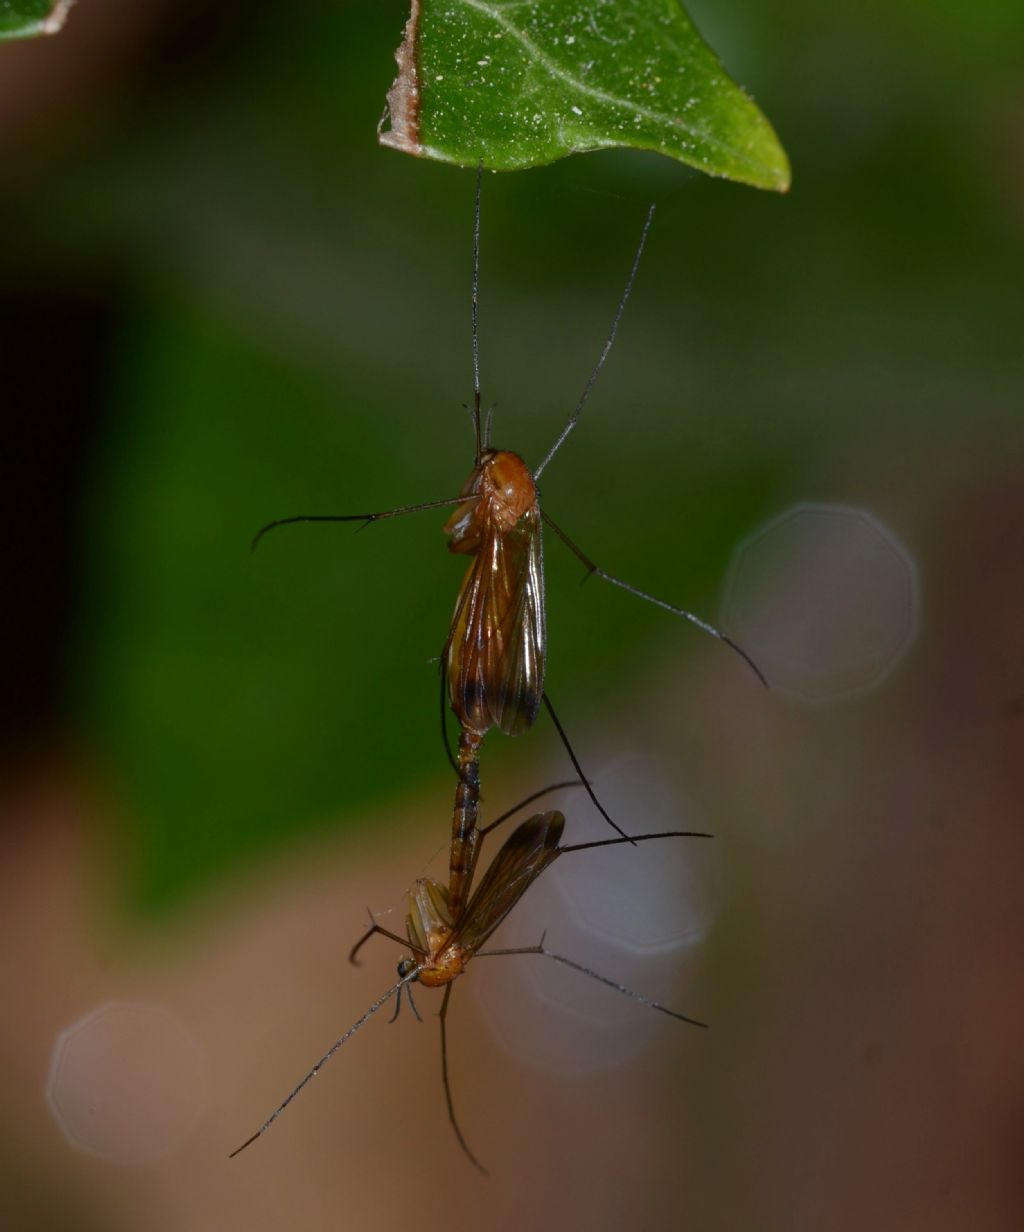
(15, 23)
(772, 161)
(782, 175)
(782, 180)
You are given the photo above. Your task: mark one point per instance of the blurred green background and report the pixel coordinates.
(223, 303)
(284, 329)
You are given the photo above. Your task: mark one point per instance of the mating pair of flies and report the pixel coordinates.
(492, 675)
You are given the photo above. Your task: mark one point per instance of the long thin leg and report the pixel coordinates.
(537, 795)
(593, 569)
(634, 838)
(411, 975)
(579, 769)
(447, 1085)
(594, 975)
(468, 838)
(376, 928)
(366, 518)
(604, 352)
(475, 841)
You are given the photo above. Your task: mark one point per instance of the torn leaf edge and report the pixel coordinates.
(403, 99)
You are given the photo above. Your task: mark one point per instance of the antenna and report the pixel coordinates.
(476, 314)
(410, 975)
(604, 353)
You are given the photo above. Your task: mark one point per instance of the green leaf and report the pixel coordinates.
(25, 18)
(521, 84)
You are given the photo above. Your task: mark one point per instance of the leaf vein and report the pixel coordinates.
(557, 71)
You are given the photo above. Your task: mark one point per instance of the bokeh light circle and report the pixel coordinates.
(633, 914)
(825, 598)
(658, 896)
(126, 1082)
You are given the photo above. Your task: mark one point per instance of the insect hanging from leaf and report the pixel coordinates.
(494, 658)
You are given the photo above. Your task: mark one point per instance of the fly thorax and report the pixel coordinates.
(507, 485)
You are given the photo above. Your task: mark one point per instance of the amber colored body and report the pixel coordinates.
(443, 940)
(465, 841)
(494, 660)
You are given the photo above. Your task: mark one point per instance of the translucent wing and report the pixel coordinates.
(526, 853)
(496, 652)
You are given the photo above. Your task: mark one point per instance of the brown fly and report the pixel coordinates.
(443, 941)
(493, 662)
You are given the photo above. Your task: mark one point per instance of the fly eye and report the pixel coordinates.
(405, 965)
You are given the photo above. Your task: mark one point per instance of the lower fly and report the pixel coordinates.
(443, 939)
